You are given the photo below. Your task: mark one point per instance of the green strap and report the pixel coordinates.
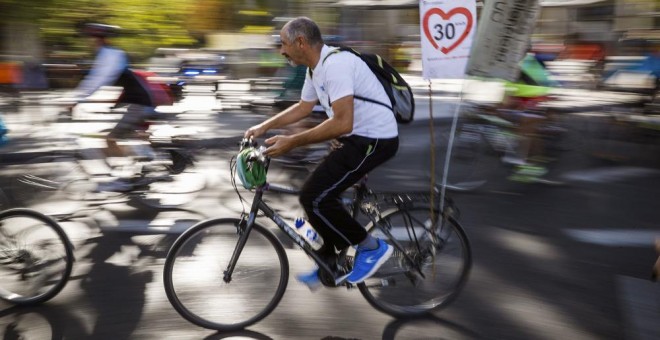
(323, 62)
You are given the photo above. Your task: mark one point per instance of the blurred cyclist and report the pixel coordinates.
(367, 131)
(138, 98)
(522, 104)
(111, 68)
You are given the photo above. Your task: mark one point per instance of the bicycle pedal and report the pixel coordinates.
(341, 280)
(332, 280)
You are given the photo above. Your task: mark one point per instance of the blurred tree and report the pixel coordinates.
(209, 16)
(231, 16)
(212, 15)
(146, 25)
(21, 11)
(19, 33)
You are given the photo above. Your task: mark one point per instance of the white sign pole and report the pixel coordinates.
(447, 29)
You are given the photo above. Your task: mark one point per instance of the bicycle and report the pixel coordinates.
(484, 141)
(239, 262)
(151, 181)
(36, 257)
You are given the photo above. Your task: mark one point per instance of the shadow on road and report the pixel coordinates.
(48, 322)
(431, 326)
(119, 271)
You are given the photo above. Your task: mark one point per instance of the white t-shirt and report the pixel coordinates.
(344, 74)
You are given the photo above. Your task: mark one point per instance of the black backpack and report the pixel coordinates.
(402, 102)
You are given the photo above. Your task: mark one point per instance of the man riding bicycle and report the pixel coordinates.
(521, 105)
(367, 132)
(139, 97)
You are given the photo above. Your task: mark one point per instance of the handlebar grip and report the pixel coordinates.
(246, 142)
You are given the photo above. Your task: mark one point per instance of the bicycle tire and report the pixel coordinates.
(469, 162)
(194, 269)
(392, 290)
(48, 175)
(36, 257)
(154, 197)
(5, 202)
(85, 190)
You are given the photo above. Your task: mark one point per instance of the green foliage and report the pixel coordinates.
(21, 11)
(146, 24)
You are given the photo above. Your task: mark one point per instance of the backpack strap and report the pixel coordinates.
(357, 54)
(337, 50)
(372, 101)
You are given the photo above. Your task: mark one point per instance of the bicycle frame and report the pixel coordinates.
(258, 204)
(246, 226)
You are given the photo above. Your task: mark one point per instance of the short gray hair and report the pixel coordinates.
(303, 27)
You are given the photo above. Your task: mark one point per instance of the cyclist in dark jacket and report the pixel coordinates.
(138, 98)
(111, 68)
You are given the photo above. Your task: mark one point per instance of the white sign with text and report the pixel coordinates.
(505, 28)
(447, 29)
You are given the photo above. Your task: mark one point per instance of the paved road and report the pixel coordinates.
(550, 262)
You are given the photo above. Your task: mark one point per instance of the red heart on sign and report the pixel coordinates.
(446, 16)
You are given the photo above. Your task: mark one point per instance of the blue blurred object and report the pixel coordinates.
(192, 69)
(202, 67)
(3, 132)
(650, 64)
(640, 75)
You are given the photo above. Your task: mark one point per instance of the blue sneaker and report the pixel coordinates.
(367, 262)
(311, 279)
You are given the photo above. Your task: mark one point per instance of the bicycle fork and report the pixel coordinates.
(243, 229)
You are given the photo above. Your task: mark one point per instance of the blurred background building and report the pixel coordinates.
(606, 22)
(44, 31)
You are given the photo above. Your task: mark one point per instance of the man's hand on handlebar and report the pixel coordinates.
(279, 145)
(255, 131)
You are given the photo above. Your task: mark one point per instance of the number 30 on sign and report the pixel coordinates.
(447, 28)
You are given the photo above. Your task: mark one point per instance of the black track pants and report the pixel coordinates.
(320, 196)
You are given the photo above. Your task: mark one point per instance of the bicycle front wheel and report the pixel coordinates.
(36, 257)
(430, 269)
(195, 267)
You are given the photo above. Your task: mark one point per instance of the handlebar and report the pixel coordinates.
(258, 153)
(247, 142)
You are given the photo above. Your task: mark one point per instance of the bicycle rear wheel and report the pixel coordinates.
(443, 257)
(194, 271)
(470, 163)
(5, 203)
(36, 257)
